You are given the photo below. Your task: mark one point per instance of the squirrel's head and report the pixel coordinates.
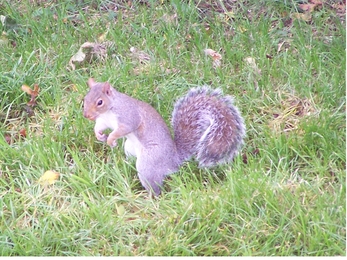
(98, 99)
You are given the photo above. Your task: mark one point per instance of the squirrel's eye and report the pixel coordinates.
(99, 102)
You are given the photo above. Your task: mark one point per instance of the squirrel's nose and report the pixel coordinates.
(85, 114)
(88, 115)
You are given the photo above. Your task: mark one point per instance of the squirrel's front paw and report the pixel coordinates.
(111, 142)
(101, 137)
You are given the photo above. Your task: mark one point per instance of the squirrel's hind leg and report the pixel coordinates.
(152, 185)
(150, 175)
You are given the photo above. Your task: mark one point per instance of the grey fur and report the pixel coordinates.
(204, 118)
(206, 125)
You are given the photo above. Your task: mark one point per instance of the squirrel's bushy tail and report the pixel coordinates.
(208, 126)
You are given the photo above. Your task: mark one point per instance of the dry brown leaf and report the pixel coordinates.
(307, 7)
(84, 54)
(27, 89)
(307, 17)
(216, 57)
(142, 56)
(340, 6)
(311, 6)
(33, 94)
(23, 132)
(88, 52)
(8, 139)
(49, 177)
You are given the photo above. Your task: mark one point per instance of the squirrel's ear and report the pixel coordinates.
(106, 88)
(91, 82)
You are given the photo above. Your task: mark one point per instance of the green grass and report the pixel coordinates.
(284, 195)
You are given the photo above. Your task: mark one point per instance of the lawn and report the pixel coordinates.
(284, 62)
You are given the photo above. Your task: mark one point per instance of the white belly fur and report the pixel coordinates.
(132, 145)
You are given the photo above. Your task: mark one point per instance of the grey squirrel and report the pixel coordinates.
(206, 125)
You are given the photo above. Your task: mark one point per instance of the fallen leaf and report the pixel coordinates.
(84, 54)
(285, 45)
(3, 39)
(74, 88)
(32, 92)
(120, 210)
(27, 89)
(311, 6)
(213, 54)
(254, 71)
(142, 56)
(244, 158)
(307, 7)
(49, 177)
(23, 132)
(14, 44)
(287, 21)
(255, 151)
(340, 6)
(8, 139)
(216, 57)
(251, 62)
(88, 52)
(170, 19)
(102, 37)
(307, 17)
(3, 20)
(229, 15)
(242, 29)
